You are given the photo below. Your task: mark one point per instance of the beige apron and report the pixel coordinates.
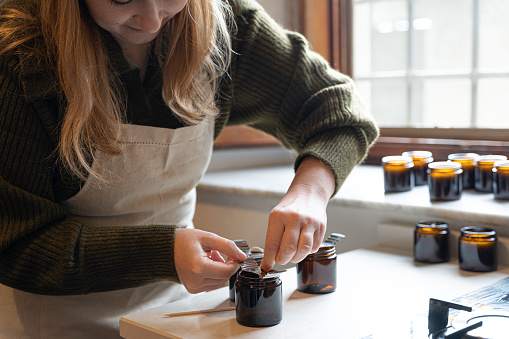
(152, 182)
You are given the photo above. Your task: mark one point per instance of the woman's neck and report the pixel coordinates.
(140, 56)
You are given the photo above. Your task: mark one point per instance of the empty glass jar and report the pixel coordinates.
(398, 175)
(445, 181)
(484, 171)
(258, 300)
(501, 180)
(477, 249)
(421, 160)
(317, 272)
(467, 161)
(431, 241)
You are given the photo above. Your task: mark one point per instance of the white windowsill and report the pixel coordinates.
(363, 189)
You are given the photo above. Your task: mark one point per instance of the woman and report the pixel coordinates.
(108, 112)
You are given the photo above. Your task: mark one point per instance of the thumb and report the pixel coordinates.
(216, 243)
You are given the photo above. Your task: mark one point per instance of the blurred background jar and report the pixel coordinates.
(484, 171)
(477, 249)
(398, 174)
(431, 241)
(445, 181)
(467, 161)
(421, 159)
(501, 180)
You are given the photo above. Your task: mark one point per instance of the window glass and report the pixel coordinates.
(387, 100)
(494, 35)
(449, 68)
(444, 102)
(442, 34)
(389, 29)
(493, 107)
(362, 39)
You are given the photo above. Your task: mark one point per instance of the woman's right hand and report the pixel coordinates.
(199, 265)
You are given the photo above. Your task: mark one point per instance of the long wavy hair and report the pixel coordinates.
(193, 51)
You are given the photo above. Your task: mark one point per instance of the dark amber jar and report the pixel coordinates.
(431, 241)
(421, 160)
(317, 272)
(477, 249)
(445, 181)
(233, 278)
(258, 300)
(484, 171)
(501, 180)
(467, 161)
(398, 175)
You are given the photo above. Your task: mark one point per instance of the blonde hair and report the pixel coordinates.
(193, 51)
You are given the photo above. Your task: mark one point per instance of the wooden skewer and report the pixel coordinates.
(212, 310)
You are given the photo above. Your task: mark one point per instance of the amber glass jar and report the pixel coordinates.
(467, 161)
(233, 278)
(431, 241)
(501, 180)
(477, 249)
(484, 171)
(398, 175)
(258, 300)
(317, 272)
(445, 181)
(421, 160)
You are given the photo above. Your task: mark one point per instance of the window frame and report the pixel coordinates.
(333, 38)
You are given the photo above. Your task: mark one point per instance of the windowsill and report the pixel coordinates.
(364, 190)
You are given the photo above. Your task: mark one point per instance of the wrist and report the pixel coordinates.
(315, 177)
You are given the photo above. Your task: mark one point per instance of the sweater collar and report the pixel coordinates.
(38, 73)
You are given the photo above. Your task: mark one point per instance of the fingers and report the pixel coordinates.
(212, 275)
(293, 233)
(200, 266)
(273, 240)
(318, 238)
(214, 242)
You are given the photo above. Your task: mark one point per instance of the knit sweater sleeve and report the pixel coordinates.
(280, 86)
(44, 250)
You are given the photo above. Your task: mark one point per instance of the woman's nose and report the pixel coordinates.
(150, 16)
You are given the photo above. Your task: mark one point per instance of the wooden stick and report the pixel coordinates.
(177, 314)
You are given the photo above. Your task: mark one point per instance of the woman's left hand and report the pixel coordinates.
(298, 223)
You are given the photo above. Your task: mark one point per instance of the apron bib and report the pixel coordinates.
(152, 181)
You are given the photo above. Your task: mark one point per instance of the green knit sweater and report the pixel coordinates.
(275, 84)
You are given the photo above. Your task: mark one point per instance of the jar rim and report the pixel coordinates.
(478, 231)
(326, 250)
(462, 156)
(432, 224)
(394, 158)
(504, 163)
(425, 154)
(254, 278)
(444, 165)
(491, 157)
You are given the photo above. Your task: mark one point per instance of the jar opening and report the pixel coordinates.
(477, 232)
(251, 276)
(463, 156)
(501, 165)
(418, 154)
(432, 224)
(397, 159)
(490, 159)
(444, 165)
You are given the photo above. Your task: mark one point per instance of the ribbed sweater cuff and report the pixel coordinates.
(342, 152)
